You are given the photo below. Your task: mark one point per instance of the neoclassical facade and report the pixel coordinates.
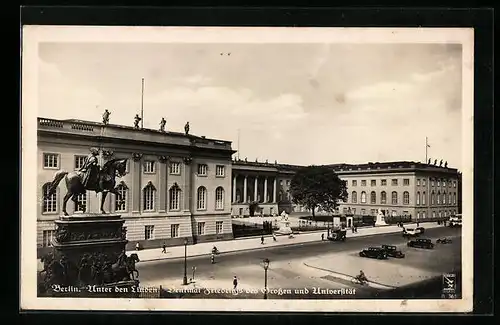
(177, 186)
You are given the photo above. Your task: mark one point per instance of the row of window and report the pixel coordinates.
(149, 232)
(406, 182)
(51, 160)
(149, 199)
(420, 214)
(440, 198)
(383, 182)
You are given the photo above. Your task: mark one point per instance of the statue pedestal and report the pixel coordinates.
(86, 258)
(284, 226)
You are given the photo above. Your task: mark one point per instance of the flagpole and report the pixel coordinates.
(238, 144)
(142, 104)
(426, 146)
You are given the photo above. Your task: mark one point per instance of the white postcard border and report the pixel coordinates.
(33, 35)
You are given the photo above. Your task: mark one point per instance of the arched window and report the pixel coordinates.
(383, 197)
(438, 196)
(418, 198)
(363, 197)
(174, 197)
(49, 201)
(81, 202)
(454, 198)
(149, 197)
(121, 198)
(354, 198)
(424, 198)
(449, 198)
(201, 198)
(373, 197)
(444, 197)
(406, 198)
(394, 197)
(219, 198)
(432, 198)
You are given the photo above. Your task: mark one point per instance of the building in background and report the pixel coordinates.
(177, 186)
(183, 186)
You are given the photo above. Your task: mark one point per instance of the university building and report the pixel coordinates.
(184, 186)
(177, 186)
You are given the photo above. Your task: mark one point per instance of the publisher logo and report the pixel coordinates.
(449, 283)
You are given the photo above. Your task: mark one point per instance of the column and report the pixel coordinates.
(274, 190)
(234, 189)
(265, 190)
(245, 189)
(255, 188)
(162, 184)
(136, 189)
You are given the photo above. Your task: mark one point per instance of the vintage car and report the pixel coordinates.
(412, 232)
(393, 251)
(421, 243)
(443, 241)
(374, 252)
(337, 235)
(420, 230)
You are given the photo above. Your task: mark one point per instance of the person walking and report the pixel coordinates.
(262, 240)
(322, 237)
(274, 236)
(164, 248)
(235, 282)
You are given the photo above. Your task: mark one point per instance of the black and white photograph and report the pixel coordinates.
(302, 169)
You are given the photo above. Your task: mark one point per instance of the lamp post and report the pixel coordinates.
(266, 266)
(185, 280)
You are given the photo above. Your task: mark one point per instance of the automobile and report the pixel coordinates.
(455, 220)
(411, 232)
(421, 243)
(393, 251)
(337, 235)
(421, 230)
(374, 252)
(443, 241)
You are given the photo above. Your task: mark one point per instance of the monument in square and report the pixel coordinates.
(88, 256)
(380, 221)
(284, 225)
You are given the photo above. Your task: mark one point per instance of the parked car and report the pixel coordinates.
(411, 232)
(337, 235)
(393, 251)
(443, 241)
(421, 230)
(421, 243)
(374, 252)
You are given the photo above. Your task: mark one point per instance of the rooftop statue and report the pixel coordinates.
(137, 119)
(186, 128)
(163, 122)
(90, 177)
(105, 117)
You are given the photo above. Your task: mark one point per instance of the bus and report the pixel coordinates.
(455, 220)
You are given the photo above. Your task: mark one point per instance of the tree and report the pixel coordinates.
(318, 187)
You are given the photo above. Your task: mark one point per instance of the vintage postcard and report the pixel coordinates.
(247, 169)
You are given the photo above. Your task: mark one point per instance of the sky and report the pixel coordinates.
(295, 103)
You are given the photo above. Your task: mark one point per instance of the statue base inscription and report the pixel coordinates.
(88, 259)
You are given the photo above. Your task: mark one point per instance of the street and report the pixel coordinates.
(287, 270)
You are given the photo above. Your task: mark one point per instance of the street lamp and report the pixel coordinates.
(266, 266)
(185, 280)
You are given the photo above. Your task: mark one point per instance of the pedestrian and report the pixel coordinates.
(164, 248)
(274, 236)
(322, 237)
(356, 229)
(235, 282)
(262, 239)
(137, 246)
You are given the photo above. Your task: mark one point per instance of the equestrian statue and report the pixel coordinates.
(90, 177)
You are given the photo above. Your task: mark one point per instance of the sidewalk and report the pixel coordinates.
(244, 244)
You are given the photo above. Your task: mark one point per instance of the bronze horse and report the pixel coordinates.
(105, 182)
(125, 269)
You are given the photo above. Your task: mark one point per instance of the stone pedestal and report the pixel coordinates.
(284, 225)
(380, 221)
(88, 258)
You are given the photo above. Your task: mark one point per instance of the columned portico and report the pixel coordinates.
(265, 190)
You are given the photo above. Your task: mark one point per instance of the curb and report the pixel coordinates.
(258, 248)
(389, 287)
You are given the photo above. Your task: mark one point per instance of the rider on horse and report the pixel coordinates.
(90, 170)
